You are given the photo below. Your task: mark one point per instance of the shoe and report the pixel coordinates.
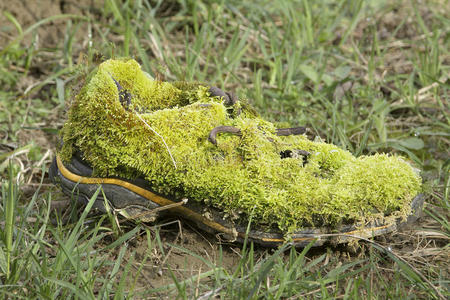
(202, 154)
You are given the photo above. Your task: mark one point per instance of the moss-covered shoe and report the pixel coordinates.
(151, 144)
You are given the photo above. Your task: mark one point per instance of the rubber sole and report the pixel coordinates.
(134, 199)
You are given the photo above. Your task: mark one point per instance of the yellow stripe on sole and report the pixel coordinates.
(194, 216)
(183, 211)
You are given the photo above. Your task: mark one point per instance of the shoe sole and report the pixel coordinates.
(75, 180)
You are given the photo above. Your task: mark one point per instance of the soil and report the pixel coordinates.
(28, 13)
(182, 264)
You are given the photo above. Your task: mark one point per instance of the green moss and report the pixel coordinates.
(241, 174)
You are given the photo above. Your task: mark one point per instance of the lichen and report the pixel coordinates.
(243, 174)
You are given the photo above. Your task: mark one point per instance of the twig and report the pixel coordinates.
(158, 209)
(29, 220)
(210, 294)
(198, 281)
(164, 141)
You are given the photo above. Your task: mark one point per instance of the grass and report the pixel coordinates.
(367, 76)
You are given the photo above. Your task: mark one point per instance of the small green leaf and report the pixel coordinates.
(309, 72)
(342, 72)
(60, 90)
(412, 143)
(327, 79)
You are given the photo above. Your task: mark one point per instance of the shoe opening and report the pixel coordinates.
(296, 154)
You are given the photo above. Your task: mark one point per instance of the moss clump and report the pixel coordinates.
(241, 174)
